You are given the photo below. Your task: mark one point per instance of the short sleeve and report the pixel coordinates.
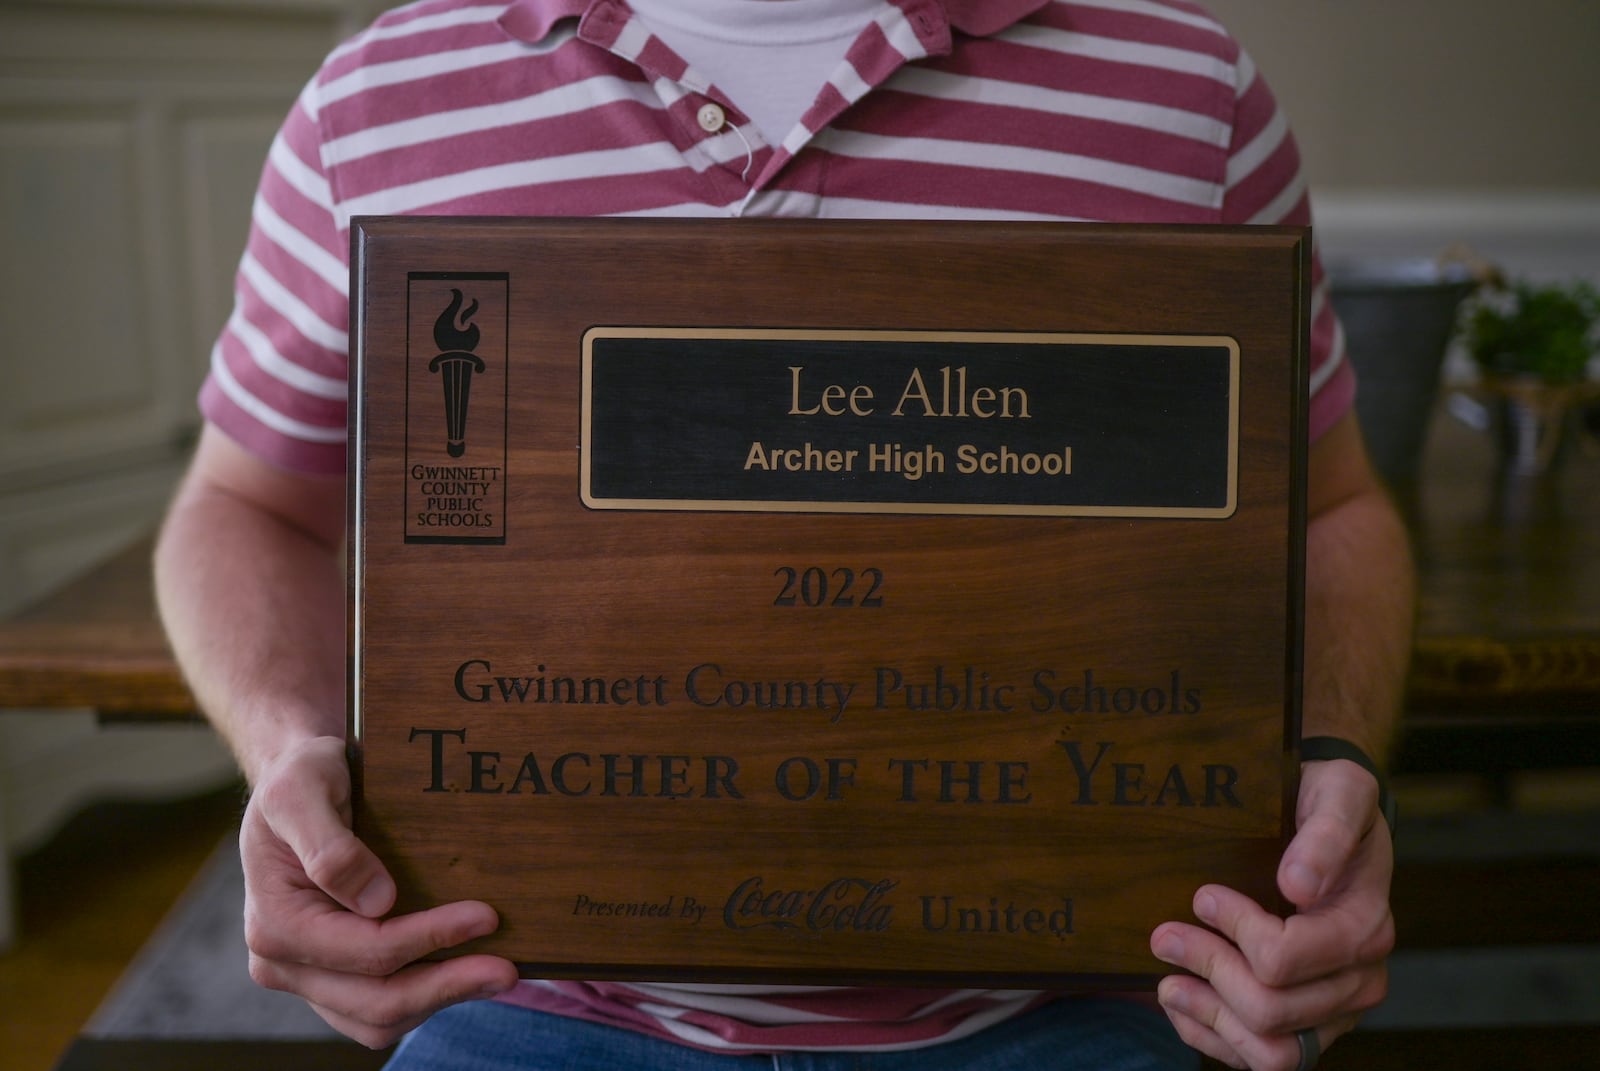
(1265, 185)
(278, 379)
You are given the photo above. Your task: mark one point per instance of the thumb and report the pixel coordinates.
(304, 804)
(1338, 806)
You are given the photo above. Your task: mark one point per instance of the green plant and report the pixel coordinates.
(1544, 331)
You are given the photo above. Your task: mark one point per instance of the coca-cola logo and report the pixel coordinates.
(843, 904)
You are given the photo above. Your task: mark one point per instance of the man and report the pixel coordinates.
(1126, 110)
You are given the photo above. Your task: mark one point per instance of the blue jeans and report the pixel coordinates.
(1065, 1035)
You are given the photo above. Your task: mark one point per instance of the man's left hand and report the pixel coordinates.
(1259, 979)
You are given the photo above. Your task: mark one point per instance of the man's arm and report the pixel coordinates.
(1360, 596)
(1258, 978)
(251, 591)
(252, 596)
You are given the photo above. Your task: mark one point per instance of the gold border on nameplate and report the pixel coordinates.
(933, 338)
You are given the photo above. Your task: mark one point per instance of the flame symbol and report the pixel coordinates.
(457, 361)
(453, 334)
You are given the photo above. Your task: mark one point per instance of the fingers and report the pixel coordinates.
(1205, 1022)
(1259, 978)
(305, 805)
(1342, 857)
(1255, 1006)
(314, 901)
(1352, 928)
(360, 974)
(1229, 1014)
(304, 929)
(1338, 809)
(377, 1011)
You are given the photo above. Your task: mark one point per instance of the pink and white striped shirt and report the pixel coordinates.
(1085, 110)
(1099, 110)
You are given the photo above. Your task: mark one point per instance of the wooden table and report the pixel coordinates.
(1508, 636)
(1506, 669)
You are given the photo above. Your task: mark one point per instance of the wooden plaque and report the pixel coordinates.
(827, 602)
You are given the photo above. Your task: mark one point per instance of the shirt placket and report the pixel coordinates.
(906, 31)
(706, 127)
(706, 123)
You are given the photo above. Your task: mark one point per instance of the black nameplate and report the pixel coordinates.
(914, 421)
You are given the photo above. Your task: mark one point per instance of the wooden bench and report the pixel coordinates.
(96, 643)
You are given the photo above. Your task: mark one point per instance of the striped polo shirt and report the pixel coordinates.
(1079, 110)
(1096, 110)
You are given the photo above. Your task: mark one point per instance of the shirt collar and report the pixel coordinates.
(532, 20)
(984, 18)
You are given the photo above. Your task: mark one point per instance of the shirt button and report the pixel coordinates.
(711, 118)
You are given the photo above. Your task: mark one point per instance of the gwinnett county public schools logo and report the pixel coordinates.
(457, 343)
(456, 338)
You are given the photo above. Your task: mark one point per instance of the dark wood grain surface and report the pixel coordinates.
(1509, 577)
(96, 642)
(831, 844)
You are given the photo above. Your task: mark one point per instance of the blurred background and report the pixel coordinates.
(132, 131)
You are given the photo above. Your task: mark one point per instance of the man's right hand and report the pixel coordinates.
(315, 901)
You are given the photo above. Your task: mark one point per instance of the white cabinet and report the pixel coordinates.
(131, 136)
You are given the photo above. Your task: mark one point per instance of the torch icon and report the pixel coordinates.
(456, 338)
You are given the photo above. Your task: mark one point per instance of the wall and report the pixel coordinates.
(1424, 124)
(130, 138)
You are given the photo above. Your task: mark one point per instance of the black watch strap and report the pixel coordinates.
(1324, 748)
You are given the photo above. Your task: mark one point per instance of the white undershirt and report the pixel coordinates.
(770, 57)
